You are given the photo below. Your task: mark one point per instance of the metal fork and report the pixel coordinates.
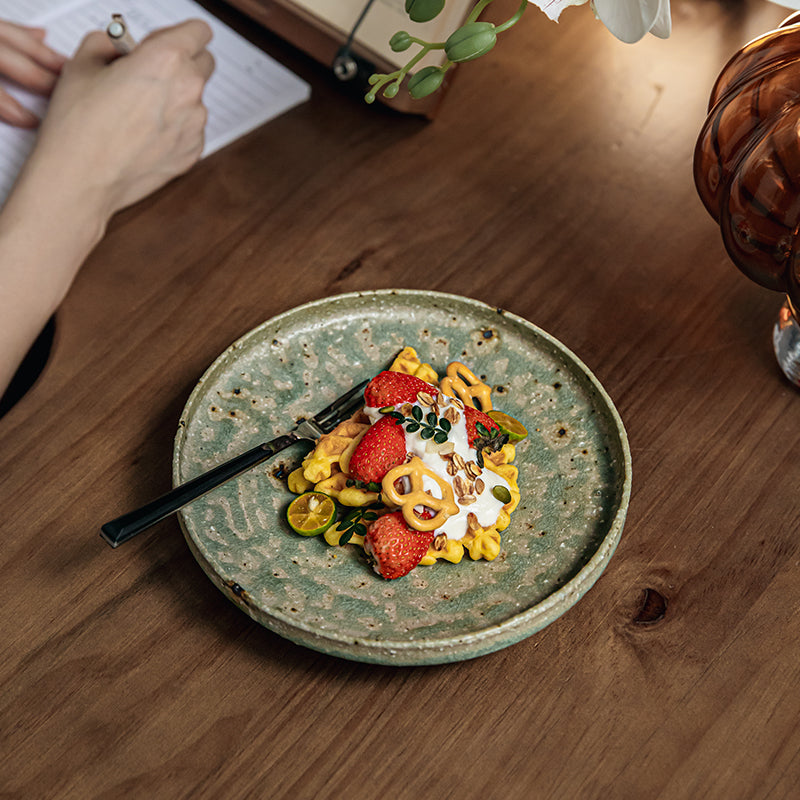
(122, 528)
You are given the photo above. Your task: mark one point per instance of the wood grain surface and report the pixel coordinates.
(556, 183)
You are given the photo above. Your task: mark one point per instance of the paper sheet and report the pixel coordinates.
(247, 88)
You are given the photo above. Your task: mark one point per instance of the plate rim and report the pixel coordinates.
(442, 649)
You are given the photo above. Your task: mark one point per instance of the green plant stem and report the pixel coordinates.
(426, 48)
(384, 82)
(479, 8)
(513, 20)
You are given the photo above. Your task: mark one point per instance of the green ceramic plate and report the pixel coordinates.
(575, 477)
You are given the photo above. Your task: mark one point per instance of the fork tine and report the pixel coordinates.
(341, 408)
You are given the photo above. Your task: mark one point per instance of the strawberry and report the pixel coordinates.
(472, 416)
(382, 447)
(394, 547)
(390, 388)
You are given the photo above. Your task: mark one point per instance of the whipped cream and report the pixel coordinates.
(456, 452)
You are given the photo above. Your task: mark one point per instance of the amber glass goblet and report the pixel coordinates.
(747, 171)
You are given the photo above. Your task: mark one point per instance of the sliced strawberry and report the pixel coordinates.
(394, 547)
(390, 388)
(472, 416)
(383, 447)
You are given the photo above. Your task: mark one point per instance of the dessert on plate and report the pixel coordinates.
(424, 472)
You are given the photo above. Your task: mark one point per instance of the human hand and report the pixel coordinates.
(117, 129)
(29, 62)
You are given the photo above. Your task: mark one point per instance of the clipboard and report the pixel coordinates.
(323, 29)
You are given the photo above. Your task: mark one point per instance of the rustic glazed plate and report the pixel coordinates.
(575, 477)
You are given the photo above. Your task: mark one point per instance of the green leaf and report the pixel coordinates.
(426, 433)
(440, 437)
(444, 424)
(412, 427)
(482, 429)
(431, 419)
(346, 536)
(416, 412)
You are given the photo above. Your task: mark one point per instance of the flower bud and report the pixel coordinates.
(400, 41)
(470, 41)
(423, 10)
(425, 82)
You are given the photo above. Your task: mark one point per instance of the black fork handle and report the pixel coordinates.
(122, 528)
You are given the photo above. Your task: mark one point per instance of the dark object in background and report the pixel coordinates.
(30, 368)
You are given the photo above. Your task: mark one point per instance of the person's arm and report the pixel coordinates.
(29, 62)
(116, 130)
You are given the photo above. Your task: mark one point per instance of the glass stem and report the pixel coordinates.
(786, 341)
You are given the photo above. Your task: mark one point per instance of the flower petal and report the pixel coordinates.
(553, 8)
(630, 20)
(662, 27)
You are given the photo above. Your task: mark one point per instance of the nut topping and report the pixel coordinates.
(451, 415)
(473, 470)
(479, 486)
(460, 486)
(440, 541)
(425, 398)
(472, 522)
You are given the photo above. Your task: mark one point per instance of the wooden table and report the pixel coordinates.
(555, 183)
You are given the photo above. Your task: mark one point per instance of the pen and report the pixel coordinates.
(118, 32)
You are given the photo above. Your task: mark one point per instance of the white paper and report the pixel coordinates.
(247, 89)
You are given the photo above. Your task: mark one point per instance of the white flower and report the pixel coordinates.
(628, 20)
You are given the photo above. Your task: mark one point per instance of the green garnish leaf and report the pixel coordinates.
(352, 523)
(346, 536)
